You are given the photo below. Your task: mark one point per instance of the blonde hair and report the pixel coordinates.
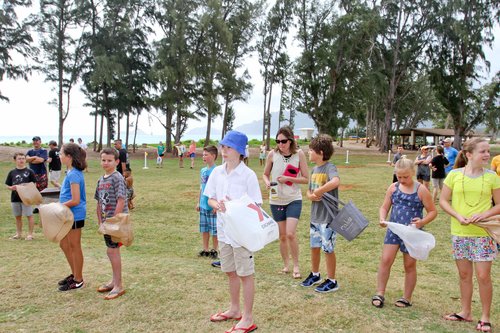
(404, 164)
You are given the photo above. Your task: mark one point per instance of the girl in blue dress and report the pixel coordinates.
(407, 199)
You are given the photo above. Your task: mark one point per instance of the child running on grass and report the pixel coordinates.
(324, 179)
(208, 217)
(467, 197)
(111, 196)
(20, 175)
(229, 181)
(407, 199)
(73, 195)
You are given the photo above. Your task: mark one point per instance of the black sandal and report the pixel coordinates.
(402, 303)
(483, 326)
(380, 299)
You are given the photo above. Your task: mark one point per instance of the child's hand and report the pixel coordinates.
(417, 222)
(382, 224)
(220, 206)
(462, 220)
(476, 218)
(197, 207)
(12, 188)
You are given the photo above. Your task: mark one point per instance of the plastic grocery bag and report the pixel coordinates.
(248, 224)
(349, 222)
(119, 227)
(29, 194)
(418, 243)
(57, 220)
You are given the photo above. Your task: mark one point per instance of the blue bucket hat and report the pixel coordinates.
(236, 140)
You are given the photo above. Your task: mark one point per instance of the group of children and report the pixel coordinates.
(112, 198)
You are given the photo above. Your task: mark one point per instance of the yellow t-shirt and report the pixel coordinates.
(495, 164)
(477, 194)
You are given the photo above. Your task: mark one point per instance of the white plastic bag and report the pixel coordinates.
(248, 225)
(418, 243)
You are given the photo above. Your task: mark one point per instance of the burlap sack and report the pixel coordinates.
(57, 220)
(29, 194)
(492, 227)
(119, 227)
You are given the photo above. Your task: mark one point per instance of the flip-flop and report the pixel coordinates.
(15, 237)
(456, 317)
(483, 326)
(380, 299)
(220, 316)
(29, 238)
(105, 288)
(296, 275)
(114, 294)
(248, 329)
(402, 303)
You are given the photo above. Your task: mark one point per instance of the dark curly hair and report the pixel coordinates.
(322, 143)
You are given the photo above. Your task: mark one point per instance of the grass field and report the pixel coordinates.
(170, 289)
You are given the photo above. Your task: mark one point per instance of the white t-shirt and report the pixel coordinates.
(221, 185)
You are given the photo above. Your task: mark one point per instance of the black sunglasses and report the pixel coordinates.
(281, 141)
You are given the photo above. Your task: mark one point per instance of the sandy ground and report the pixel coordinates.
(6, 152)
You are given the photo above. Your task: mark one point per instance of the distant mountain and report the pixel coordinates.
(255, 127)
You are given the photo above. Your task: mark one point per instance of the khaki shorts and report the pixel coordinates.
(438, 182)
(55, 175)
(236, 259)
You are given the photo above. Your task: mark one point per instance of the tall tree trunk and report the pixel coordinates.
(118, 126)
(101, 131)
(135, 131)
(95, 126)
(268, 118)
(168, 130)
(225, 117)
(127, 130)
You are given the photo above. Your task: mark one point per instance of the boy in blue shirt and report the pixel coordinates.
(324, 178)
(208, 218)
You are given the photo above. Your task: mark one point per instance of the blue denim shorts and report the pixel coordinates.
(281, 213)
(322, 236)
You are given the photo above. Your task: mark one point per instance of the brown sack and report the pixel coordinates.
(119, 227)
(492, 227)
(29, 194)
(57, 220)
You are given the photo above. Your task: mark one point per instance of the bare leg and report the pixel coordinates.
(483, 275)
(284, 246)
(315, 259)
(389, 253)
(116, 265)
(205, 236)
(215, 242)
(248, 283)
(19, 226)
(31, 225)
(465, 273)
(331, 265)
(74, 237)
(410, 265)
(291, 230)
(234, 293)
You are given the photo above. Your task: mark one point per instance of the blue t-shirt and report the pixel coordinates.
(75, 176)
(451, 155)
(39, 168)
(204, 174)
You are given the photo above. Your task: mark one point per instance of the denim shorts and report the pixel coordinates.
(322, 236)
(20, 209)
(208, 222)
(281, 213)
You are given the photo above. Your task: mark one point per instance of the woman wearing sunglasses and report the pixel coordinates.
(287, 166)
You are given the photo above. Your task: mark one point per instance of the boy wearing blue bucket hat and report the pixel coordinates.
(230, 181)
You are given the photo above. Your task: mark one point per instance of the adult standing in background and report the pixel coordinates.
(422, 162)
(396, 158)
(450, 153)
(54, 164)
(36, 157)
(287, 167)
(123, 156)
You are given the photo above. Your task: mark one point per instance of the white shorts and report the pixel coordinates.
(55, 175)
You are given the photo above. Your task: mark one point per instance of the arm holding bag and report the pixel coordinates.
(418, 243)
(119, 227)
(348, 221)
(29, 194)
(492, 227)
(57, 220)
(247, 224)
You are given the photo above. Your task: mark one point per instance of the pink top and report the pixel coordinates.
(192, 148)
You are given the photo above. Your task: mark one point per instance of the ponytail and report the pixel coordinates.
(461, 160)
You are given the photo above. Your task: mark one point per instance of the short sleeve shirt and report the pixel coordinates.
(108, 190)
(74, 176)
(38, 168)
(160, 149)
(321, 175)
(55, 162)
(123, 156)
(19, 176)
(221, 185)
(477, 199)
(451, 155)
(439, 162)
(204, 174)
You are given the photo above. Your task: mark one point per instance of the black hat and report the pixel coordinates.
(36, 138)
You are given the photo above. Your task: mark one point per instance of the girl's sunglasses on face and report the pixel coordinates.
(281, 141)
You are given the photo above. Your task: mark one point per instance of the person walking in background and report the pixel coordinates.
(422, 161)
(73, 196)
(20, 175)
(437, 166)
(181, 150)
(324, 179)
(450, 153)
(406, 199)
(54, 164)
(192, 152)
(36, 158)
(466, 197)
(160, 154)
(397, 157)
(262, 154)
(123, 156)
(286, 168)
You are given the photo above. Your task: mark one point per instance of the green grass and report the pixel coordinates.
(170, 289)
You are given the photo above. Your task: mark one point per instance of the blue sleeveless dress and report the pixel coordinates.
(405, 207)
